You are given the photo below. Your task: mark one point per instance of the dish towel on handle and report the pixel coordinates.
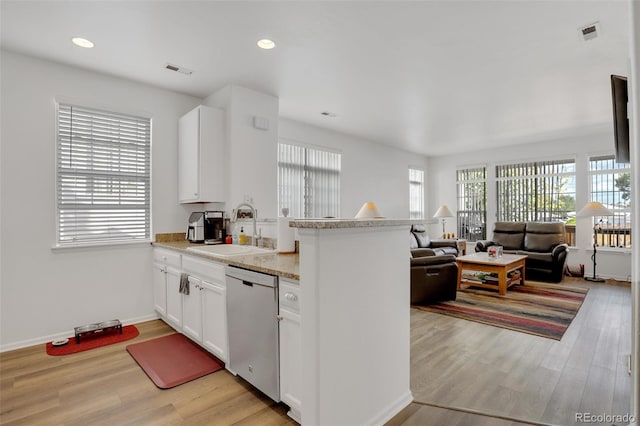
(184, 284)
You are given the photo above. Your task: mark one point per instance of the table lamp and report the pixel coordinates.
(369, 210)
(594, 209)
(442, 213)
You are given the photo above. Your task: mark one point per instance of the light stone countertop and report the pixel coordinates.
(281, 264)
(350, 223)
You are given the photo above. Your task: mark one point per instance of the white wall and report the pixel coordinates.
(44, 292)
(634, 123)
(370, 171)
(441, 189)
(251, 153)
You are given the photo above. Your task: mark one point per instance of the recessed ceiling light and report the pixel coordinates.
(82, 42)
(265, 43)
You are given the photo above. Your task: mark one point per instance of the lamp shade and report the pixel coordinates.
(594, 208)
(369, 210)
(443, 211)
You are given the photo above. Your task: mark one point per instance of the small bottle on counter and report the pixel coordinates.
(260, 242)
(242, 238)
(228, 239)
(234, 239)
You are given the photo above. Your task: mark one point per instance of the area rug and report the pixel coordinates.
(541, 309)
(92, 342)
(173, 360)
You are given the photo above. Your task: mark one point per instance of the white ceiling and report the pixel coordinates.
(434, 77)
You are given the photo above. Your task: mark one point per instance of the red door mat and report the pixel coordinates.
(173, 360)
(93, 341)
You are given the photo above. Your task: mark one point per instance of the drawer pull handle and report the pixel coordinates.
(291, 297)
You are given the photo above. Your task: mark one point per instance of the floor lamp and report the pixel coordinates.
(594, 209)
(442, 213)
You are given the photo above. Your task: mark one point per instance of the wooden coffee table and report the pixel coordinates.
(501, 266)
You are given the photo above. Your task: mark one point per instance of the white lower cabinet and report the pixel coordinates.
(167, 302)
(160, 289)
(192, 310)
(174, 299)
(205, 308)
(202, 314)
(290, 347)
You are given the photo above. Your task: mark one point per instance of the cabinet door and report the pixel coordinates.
(214, 327)
(192, 310)
(290, 361)
(160, 289)
(174, 299)
(188, 156)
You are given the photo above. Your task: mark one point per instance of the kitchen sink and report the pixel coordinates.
(226, 250)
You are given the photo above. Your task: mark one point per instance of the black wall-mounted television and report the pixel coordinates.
(620, 98)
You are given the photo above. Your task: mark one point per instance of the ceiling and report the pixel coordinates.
(433, 77)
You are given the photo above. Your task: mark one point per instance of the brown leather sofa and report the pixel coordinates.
(421, 245)
(542, 242)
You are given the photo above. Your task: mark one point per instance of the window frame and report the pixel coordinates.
(462, 211)
(523, 165)
(306, 203)
(103, 112)
(420, 185)
(618, 168)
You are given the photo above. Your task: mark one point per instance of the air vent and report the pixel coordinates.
(590, 31)
(328, 114)
(176, 68)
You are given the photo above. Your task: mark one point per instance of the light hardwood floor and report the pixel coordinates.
(462, 364)
(462, 373)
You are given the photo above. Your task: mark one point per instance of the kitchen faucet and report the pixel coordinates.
(254, 236)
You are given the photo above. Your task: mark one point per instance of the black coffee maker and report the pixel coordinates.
(214, 232)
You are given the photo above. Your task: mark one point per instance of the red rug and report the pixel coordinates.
(93, 341)
(173, 360)
(541, 309)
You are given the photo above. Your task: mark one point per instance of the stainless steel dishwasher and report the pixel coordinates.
(252, 316)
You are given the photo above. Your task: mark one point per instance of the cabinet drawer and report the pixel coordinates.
(166, 257)
(209, 270)
(289, 295)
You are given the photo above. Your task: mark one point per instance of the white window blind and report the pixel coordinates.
(536, 191)
(103, 176)
(308, 181)
(416, 194)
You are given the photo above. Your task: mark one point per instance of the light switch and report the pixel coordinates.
(261, 123)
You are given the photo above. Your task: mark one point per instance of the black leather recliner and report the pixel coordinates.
(434, 272)
(421, 245)
(542, 242)
(433, 279)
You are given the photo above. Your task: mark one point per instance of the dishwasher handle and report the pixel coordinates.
(248, 283)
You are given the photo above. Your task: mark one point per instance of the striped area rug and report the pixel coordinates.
(536, 308)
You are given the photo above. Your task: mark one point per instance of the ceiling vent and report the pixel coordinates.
(590, 31)
(176, 68)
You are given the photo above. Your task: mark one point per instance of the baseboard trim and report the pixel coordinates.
(64, 334)
(392, 409)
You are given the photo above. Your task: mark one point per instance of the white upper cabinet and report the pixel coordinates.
(201, 156)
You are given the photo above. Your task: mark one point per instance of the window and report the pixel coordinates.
(611, 186)
(102, 177)
(472, 203)
(539, 191)
(416, 194)
(308, 181)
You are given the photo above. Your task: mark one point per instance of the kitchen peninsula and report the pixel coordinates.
(354, 305)
(353, 317)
